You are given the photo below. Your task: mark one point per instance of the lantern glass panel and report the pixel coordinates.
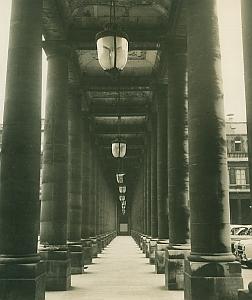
(118, 149)
(122, 198)
(119, 177)
(122, 189)
(106, 52)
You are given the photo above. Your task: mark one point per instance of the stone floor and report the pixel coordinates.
(121, 273)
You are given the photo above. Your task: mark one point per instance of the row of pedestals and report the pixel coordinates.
(173, 263)
(62, 263)
(166, 259)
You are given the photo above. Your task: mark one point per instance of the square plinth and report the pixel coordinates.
(22, 281)
(174, 268)
(77, 262)
(58, 266)
(212, 280)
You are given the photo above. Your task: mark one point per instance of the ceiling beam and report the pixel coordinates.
(131, 93)
(130, 139)
(107, 81)
(124, 110)
(112, 128)
(113, 121)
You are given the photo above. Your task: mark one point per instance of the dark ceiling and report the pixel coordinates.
(149, 25)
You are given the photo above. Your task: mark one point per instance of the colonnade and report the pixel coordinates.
(78, 212)
(198, 260)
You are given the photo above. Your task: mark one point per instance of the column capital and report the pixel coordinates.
(56, 48)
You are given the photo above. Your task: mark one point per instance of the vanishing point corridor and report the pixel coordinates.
(133, 143)
(121, 272)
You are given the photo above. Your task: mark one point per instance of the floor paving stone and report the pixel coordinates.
(120, 273)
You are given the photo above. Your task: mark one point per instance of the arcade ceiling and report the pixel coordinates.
(149, 24)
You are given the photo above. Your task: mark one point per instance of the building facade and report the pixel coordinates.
(239, 191)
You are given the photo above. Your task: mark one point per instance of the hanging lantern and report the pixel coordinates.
(118, 149)
(122, 189)
(112, 49)
(122, 198)
(112, 45)
(119, 177)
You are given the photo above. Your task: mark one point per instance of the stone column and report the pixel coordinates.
(163, 229)
(75, 180)
(85, 232)
(246, 7)
(148, 149)
(93, 193)
(86, 182)
(157, 257)
(154, 208)
(22, 273)
(247, 46)
(154, 217)
(210, 271)
(53, 227)
(178, 194)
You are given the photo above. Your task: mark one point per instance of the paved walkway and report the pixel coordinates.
(120, 273)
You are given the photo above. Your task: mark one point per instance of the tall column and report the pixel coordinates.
(157, 248)
(147, 243)
(22, 273)
(154, 218)
(246, 7)
(163, 228)
(75, 180)
(178, 193)
(86, 173)
(210, 271)
(148, 175)
(247, 46)
(53, 227)
(145, 205)
(86, 184)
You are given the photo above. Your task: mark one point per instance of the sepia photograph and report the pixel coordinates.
(125, 149)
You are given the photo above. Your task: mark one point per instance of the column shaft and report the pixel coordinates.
(210, 271)
(246, 7)
(75, 168)
(162, 97)
(154, 217)
(86, 175)
(92, 213)
(149, 188)
(177, 150)
(55, 150)
(20, 154)
(210, 228)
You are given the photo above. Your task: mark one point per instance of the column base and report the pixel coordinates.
(58, 262)
(174, 267)
(99, 244)
(144, 244)
(141, 245)
(212, 280)
(77, 258)
(87, 250)
(160, 256)
(152, 249)
(22, 281)
(147, 247)
(94, 247)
